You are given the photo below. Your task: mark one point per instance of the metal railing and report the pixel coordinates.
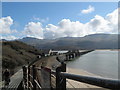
(31, 77)
(61, 77)
(101, 82)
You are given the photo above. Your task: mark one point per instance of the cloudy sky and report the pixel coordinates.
(54, 20)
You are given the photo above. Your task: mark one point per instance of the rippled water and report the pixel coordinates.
(101, 62)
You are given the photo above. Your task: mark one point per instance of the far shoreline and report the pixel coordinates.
(89, 49)
(108, 49)
(76, 84)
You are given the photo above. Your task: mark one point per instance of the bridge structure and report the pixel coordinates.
(38, 78)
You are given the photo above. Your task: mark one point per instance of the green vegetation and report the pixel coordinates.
(16, 53)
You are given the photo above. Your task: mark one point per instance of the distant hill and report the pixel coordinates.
(3, 40)
(94, 41)
(16, 53)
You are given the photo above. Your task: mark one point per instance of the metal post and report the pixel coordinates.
(60, 81)
(28, 76)
(34, 77)
(73, 55)
(66, 57)
(69, 56)
(79, 53)
(25, 76)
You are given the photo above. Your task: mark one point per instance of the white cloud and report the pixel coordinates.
(9, 37)
(65, 27)
(34, 29)
(88, 10)
(42, 20)
(5, 24)
(113, 17)
(98, 24)
(113, 20)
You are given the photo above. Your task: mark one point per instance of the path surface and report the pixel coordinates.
(15, 80)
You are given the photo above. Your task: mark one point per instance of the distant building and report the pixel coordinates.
(50, 52)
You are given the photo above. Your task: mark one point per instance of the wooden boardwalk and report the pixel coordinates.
(15, 81)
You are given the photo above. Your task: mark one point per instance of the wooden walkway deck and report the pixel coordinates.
(15, 81)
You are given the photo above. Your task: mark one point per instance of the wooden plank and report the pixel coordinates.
(15, 81)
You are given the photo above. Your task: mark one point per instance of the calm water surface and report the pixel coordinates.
(100, 62)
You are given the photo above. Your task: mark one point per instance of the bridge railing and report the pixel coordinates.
(30, 78)
(36, 78)
(37, 82)
(61, 77)
(105, 83)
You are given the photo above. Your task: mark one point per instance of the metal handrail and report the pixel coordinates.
(37, 68)
(35, 81)
(30, 84)
(37, 84)
(97, 81)
(101, 82)
(53, 72)
(30, 75)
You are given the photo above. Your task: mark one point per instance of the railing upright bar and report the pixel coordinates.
(24, 76)
(28, 76)
(34, 77)
(30, 84)
(60, 82)
(38, 84)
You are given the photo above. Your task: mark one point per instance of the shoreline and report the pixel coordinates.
(76, 84)
(81, 72)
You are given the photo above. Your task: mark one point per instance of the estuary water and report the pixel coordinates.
(100, 62)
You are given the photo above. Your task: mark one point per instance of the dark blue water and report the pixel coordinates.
(100, 62)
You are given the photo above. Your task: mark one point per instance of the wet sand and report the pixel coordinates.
(76, 84)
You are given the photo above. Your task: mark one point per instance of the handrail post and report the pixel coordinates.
(60, 81)
(25, 76)
(28, 77)
(34, 77)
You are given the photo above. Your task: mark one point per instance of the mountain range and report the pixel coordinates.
(93, 41)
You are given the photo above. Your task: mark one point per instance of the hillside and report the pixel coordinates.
(16, 53)
(94, 41)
